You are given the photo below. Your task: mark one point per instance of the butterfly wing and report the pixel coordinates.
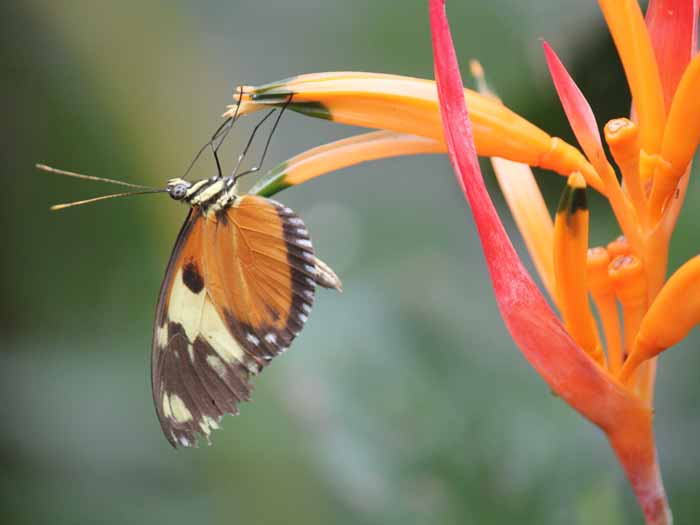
(261, 274)
(238, 288)
(188, 398)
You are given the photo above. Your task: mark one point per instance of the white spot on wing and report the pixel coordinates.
(302, 231)
(217, 364)
(306, 307)
(271, 338)
(252, 339)
(303, 318)
(162, 336)
(180, 412)
(166, 405)
(304, 242)
(296, 221)
(207, 424)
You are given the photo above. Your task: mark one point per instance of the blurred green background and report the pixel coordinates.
(404, 400)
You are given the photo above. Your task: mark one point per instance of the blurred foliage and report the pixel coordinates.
(404, 400)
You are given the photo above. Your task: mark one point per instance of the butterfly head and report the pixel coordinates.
(178, 188)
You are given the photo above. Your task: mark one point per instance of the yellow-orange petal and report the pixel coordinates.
(680, 139)
(627, 27)
(603, 293)
(622, 136)
(570, 254)
(531, 215)
(341, 154)
(409, 105)
(524, 200)
(674, 312)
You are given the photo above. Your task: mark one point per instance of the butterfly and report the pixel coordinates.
(238, 288)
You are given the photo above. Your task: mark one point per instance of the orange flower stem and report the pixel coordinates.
(622, 207)
(622, 136)
(645, 380)
(604, 296)
(674, 207)
(633, 443)
(627, 276)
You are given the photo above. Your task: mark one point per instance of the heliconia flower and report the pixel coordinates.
(604, 370)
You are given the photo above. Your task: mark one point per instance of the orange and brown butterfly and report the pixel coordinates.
(238, 289)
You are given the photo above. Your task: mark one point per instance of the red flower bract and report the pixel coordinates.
(536, 330)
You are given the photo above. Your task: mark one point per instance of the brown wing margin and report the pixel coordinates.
(160, 344)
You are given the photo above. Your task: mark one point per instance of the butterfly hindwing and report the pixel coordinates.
(238, 288)
(261, 265)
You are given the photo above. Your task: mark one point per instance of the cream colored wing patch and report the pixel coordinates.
(199, 370)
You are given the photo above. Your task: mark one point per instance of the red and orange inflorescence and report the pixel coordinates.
(604, 370)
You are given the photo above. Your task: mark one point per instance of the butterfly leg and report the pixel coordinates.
(217, 139)
(267, 142)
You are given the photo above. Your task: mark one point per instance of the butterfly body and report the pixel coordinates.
(239, 287)
(211, 195)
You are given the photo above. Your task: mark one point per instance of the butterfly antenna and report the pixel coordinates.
(49, 169)
(267, 142)
(57, 207)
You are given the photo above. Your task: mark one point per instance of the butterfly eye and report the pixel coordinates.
(178, 191)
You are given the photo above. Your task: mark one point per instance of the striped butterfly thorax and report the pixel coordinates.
(238, 289)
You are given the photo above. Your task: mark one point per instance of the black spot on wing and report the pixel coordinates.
(192, 278)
